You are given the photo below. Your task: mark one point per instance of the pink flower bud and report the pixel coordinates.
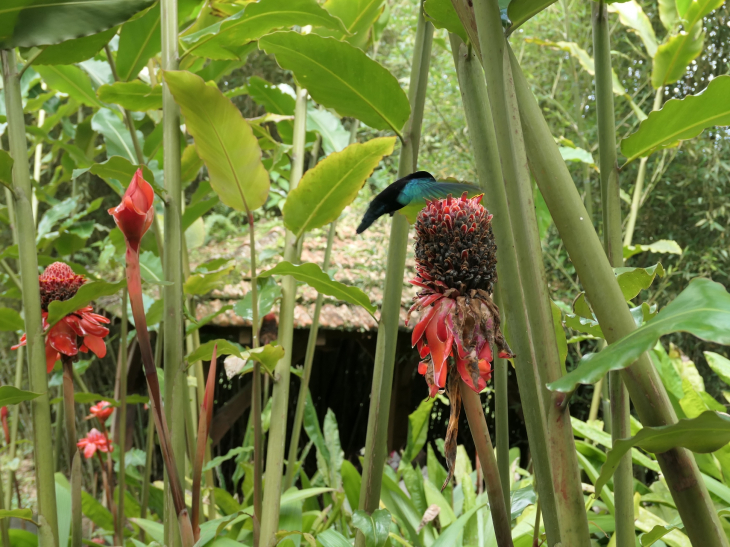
(135, 213)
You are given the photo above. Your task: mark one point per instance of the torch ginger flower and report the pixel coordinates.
(134, 215)
(102, 410)
(81, 330)
(455, 266)
(95, 440)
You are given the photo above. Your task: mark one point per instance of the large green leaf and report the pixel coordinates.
(74, 51)
(117, 172)
(139, 41)
(205, 351)
(312, 275)
(10, 320)
(673, 56)
(374, 527)
(340, 76)
(135, 95)
(116, 135)
(28, 23)
(450, 536)
(632, 16)
(10, 395)
(680, 119)
(71, 80)
(88, 292)
(417, 430)
(664, 246)
(224, 141)
(269, 291)
(335, 137)
(332, 538)
(521, 11)
(720, 365)
(702, 309)
(255, 20)
(358, 16)
(706, 433)
(443, 15)
(331, 186)
(633, 280)
(6, 168)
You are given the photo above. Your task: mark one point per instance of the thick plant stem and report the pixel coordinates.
(15, 420)
(150, 446)
(280, 392)
(4, 523)
(636, 198)
(483, 444)
(377, 437)
(122, 418)
(585, 250)
(623, 480)
(28, 260)
(486, 155)
(256, 395)
(175, 378)
(501, 413)
(307, 371)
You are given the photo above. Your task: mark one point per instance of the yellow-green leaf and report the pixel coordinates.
(135, 95)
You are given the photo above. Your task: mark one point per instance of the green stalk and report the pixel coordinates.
(280, 392)
(501, 414)
(307, 371)
(4, 523)
(15, 417)
(122, 418)
(645, 386)
(636, 198)
(623, 479)
(175, 379)
(377, 433)
(37, 375)
(256, 395)
(77, 532)
(483, 444)
(486, 156)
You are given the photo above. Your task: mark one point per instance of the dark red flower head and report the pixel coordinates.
(81, 330)
(102, 410)
(134, 215)
(95, 440)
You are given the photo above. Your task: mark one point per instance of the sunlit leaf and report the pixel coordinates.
(631, 15)
(71, 80)
(331, 186)
(88, 292)
(680, 119)
(334, 137)
(443, 15)
(224, 141)
(720, 365)
(312, 275)
(375, 527)
(116, 135)
(139, 41)
(28, 23)
(10, 395)
(666, 246)
(672, 57)
(633, 280)
(702, 309)
(340, 76)
(521, 11)
(134, 95)
(205, 351)
(204, 282)
(358, 16)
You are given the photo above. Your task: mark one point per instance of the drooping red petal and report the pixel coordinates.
(485, 371)
(91, 327)
(422, 368)
(423, 348)
(90, 450)
(95, 344)
(486, 352)
(421, 326)
(466, 376)
(74, 322)
(51, 357)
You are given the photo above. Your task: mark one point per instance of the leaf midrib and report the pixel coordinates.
(63, 76)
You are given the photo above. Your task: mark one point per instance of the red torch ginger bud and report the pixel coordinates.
(102, 410)
(135, 213)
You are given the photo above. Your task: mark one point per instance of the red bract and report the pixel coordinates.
(94, 441)
(135, 213)
(102, 410)
(81, 330)
(455, 263)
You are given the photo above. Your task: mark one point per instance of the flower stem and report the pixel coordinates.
(15, 417)
(4, 523)
(645, 387)
(28, 260)
(76, 509)
(122, 367)
(150, 446)
(501, 413)
(483, 443)
(377, 432)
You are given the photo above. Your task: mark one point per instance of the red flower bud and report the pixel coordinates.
(135, 213)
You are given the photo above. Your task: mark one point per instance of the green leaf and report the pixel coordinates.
(134, 95)
(358, 16)
(706, 433)
(340, 76)
(680, 119)
(255, 20)
(326, 190)
(156, 530)
(116, 135)
(719, 364)
(521, 11)
(312, 275)
(450, 536)
(570, 153)
(374, 527)
(666, 246)
(74, 51)
(443, 15)
(268, 293)
(633, 280)
(205, 351)
(204, 282)
(10, 320)
(28, 23)
(71, 80)
(192, 327)
(417, 430)
(224, 141)
(86, 294)
(335, 138)
(702, 309)
(10, 395)
(25, 514)
(632, 16)
(659, 531)
(6, 168)
(268, 355)
(233, 452)
(673, 56)
(139, 41)
(351, 482)
(332, 538)
(559, 332)
(117, 172)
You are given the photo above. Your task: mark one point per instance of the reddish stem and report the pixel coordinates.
(206, 416)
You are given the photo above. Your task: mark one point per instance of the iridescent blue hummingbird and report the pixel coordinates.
(411, 193)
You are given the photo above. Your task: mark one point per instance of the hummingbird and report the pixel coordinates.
(411, 193)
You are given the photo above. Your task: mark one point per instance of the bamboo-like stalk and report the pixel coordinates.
(76, 509)
(483, 443)
(175, 378)
(280, 393)
(4, 523)
(623, 479)
(15, 420)
(636, 198)
(28, 260)
(581, 241)
(74, 463)
(377, 432)
(486, 155)
(501, 412)
(122, 418)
